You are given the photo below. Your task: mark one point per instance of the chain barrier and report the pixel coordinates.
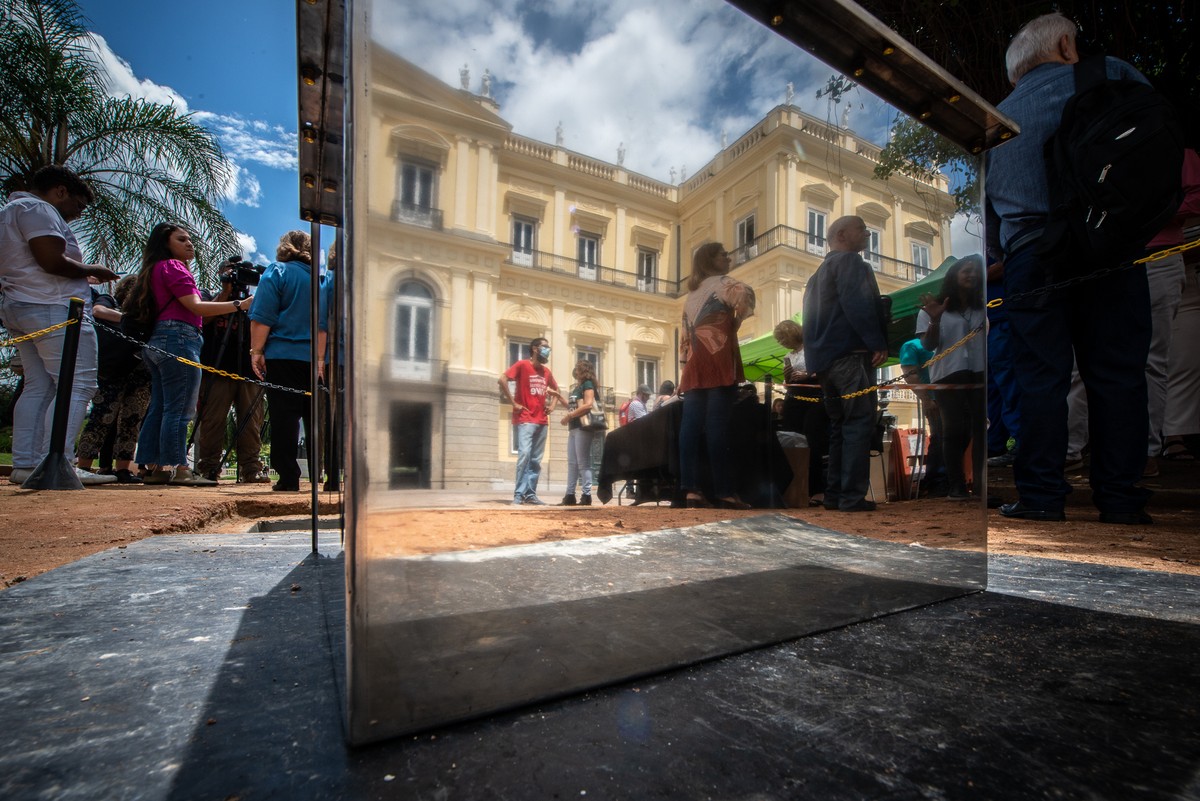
(29, 337)
(997, 303)
(206, 368)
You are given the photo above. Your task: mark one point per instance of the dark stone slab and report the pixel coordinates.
(993, 695)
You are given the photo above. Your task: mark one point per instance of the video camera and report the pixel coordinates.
(240, 274)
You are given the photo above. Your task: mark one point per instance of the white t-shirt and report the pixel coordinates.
(24, 217)
(953, 327)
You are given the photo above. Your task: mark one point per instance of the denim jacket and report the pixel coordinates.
(1018, 196)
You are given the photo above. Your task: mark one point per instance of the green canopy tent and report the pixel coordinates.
(763, 356)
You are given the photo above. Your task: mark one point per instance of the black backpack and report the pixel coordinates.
(1114, 168)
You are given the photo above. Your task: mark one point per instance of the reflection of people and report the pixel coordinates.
(844, 340)
(913, 358)
(41, 269)
(534, 384)
(281, 352)
(227, 346)
(665, 391)
(165, 285)
(712, 369)
(942, 324)
(637, 404)
(807, 417)
(579, 440)
(1112, 357)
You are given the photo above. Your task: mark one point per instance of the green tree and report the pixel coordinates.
(146, 162)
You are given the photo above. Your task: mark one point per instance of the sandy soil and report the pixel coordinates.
(42, 530)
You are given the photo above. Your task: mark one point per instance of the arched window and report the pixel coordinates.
(413, 341)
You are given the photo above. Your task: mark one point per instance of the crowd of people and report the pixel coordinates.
(144, 398)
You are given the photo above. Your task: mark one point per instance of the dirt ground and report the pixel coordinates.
(42, 530)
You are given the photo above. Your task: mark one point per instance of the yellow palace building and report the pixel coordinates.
(479, 239)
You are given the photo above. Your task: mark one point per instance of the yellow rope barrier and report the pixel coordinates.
(27, 337)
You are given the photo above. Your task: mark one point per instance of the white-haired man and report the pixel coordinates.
(1106, 320)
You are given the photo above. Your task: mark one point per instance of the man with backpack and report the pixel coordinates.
(1045, 227)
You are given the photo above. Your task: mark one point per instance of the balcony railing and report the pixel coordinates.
(415, 214)
(781, 236)
(597, 273)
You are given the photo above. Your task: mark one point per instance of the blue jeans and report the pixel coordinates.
(174, 390)
(531, 442)
(1106, 321)
(1002, 391)
(34, 412)
(851, 424)
(705, 425)
(579, 460)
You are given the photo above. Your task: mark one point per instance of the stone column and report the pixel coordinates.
(462, 169)
(484, 190)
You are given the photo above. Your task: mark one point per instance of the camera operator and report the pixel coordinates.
(226, 347)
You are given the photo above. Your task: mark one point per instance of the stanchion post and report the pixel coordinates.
(56, 472)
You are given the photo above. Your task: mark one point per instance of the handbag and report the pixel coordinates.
(594, 420)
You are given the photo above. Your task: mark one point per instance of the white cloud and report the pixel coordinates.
(248, 245)
(243, 188)
(252, 141)
(965, 236)
(664, 78)
(120, 80)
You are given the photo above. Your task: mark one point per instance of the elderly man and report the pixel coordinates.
(41, 269)
(844, 339)
(1106, 320)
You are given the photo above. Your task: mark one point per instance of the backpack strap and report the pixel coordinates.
(1090, 73)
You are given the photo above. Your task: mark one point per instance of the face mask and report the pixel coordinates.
(543, 353)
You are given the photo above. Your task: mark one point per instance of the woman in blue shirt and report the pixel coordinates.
(280, 350)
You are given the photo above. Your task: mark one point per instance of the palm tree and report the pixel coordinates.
(145, 161)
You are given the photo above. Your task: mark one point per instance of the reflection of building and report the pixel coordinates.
(480, 239)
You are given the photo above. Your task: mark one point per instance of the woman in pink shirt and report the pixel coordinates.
(165, 286)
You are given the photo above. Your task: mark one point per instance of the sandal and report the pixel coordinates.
(1177, 451)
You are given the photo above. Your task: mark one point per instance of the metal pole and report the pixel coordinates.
(56, 471)
(314, 400)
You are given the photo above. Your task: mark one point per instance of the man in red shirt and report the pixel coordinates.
(534, 385)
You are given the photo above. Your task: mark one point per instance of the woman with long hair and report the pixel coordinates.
(579, 440)
(715, 307)
(941, 324)
(166, 292)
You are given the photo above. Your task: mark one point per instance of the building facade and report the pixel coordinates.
(479, 239)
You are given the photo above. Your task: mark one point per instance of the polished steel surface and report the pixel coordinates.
(438, 638)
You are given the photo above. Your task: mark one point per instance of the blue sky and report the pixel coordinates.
(234, 65)
(665, 79)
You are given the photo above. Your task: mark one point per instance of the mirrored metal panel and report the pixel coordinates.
(528, 176)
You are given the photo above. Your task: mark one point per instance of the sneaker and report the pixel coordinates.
(160, 476)
(1003, 460)
(20, 475)
(127, 477)
(91, 479)
(255, 477)
(184, 477)
(568, 500)
(1151, 469)
(1073, 463)
(517, 502)
(534, 500)
(1138, 518)
(585, 500)
(862, 506)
